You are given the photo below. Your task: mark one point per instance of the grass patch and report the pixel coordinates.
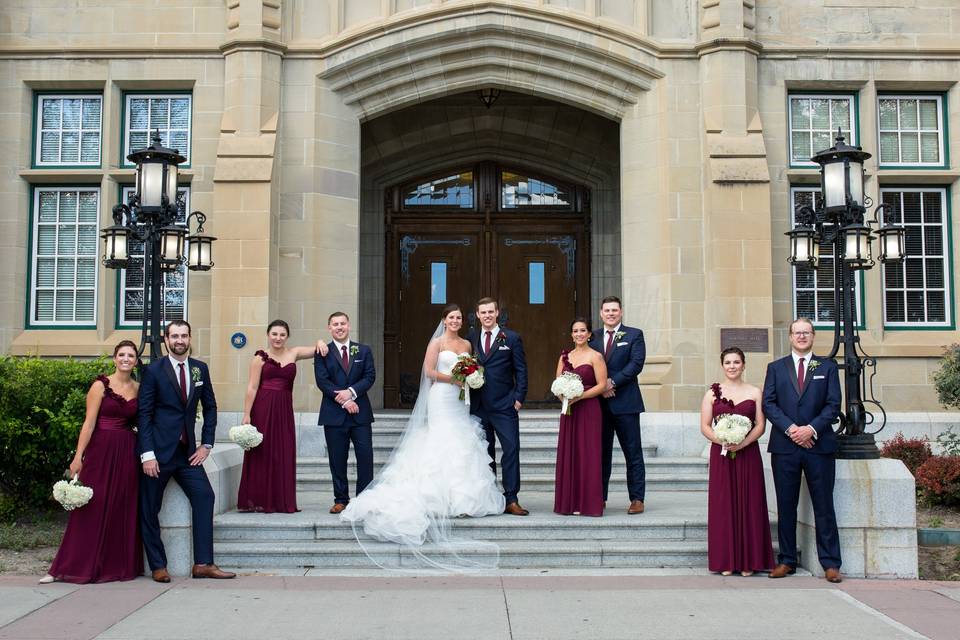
(45, 530)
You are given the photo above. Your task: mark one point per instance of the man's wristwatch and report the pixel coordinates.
(208, 446)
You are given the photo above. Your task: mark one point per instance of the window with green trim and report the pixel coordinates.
(814, 121)
(63, 256)
(813, 295)
(168, 113)
(132, 278)
(916, 293)
(911, 130)
(68, 130)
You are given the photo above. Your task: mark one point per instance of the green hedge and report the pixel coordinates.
(42, 404)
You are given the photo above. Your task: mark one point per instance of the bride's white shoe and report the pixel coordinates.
(47, 579)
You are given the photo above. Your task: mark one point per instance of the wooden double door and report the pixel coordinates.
(537, 269)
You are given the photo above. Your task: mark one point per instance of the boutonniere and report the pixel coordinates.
(619, 335)
(195, 374)
(354, 350)
(501, 338)
(813, 365)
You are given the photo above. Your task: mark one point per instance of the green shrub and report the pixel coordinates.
(947, 379)
(949, 442)
(938, 480)
(42, 404)
(913, 452)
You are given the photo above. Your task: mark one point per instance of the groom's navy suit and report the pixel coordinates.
(621, 413)
(817, 405)
(164, 418)
(341, 427)
(505, 382)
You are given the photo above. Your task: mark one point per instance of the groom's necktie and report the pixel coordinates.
(486, 343)
(606, 352)
(801, 372)
(344, 360)
(183, 399)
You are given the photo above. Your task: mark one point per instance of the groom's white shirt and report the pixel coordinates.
(147, 456)
(340, 347)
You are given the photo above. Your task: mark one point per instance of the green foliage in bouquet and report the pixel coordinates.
(947, 379)
(42, 405)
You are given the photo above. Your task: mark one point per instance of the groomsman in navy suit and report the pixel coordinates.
(801, 399)
(344, 376)
(624, 351)
(497, 403)
(169, 392)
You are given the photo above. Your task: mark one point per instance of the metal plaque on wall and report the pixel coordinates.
(748, 340)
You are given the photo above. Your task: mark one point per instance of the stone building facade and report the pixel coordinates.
(652, 149)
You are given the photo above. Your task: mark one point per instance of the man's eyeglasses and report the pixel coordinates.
(802, 334)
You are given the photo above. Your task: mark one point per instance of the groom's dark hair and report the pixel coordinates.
(178, 323)
(337, 314)
(611, 299)
(493, 301)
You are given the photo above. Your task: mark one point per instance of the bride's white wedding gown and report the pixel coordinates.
(437, 472)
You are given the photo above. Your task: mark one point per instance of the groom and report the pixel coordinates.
(497, 403)
(801, 399)
(344, 376)
(169, 392)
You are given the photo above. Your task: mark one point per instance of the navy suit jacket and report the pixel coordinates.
(504, 372)
(163, 415)
(623, 366)
(331, 378)
(818, 405)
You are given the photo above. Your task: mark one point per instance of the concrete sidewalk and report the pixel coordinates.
(514, 606)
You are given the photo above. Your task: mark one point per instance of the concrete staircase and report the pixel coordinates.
(671, 534)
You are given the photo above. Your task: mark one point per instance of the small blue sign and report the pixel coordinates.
(238, 340)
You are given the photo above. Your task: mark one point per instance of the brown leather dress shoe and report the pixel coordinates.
(160, 575)
(782, 571)
(515, 509)
(337, 508)
(832, 575)
(211, 571)
(636, 506)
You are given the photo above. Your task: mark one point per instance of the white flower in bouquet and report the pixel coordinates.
(475, 380)
(567, 387)
(246, 435)
(72, 494)
(731, 428)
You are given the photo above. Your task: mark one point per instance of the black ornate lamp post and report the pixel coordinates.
(840, 222)
(149, 217)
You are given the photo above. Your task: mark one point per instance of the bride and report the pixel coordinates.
(440, 469)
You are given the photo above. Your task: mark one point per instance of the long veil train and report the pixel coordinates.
(416, 495)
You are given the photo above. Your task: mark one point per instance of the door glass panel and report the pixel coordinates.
(537, 289)
(438, 283)
(519, 190)
(451, 191)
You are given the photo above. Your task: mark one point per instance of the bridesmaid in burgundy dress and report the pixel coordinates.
(579, 481)
(102, 540)
(268, 482)
(738, 526)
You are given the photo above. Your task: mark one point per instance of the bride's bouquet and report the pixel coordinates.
(246, 435)
(468, 372)
(567, 387)
(731, 428)
(72, 494)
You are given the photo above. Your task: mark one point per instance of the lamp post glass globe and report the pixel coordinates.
(115, 246)
(891, 239)
(804, 247)
(857, 246)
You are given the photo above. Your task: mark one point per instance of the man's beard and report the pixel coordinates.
(179, 350)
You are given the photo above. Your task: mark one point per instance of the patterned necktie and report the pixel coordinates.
(801, 371)
(606, 352)
(344, 360)
(486, 343)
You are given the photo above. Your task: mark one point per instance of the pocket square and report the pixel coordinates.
(504, 349)
(622, 344)
(198, 383)
(818, 377)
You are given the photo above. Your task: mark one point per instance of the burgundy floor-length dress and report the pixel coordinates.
(738, 525)
(102, 540)
(579, 481)
(269, 480)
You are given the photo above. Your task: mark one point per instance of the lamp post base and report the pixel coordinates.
(862, 446)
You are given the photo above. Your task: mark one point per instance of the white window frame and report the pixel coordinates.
(899, 131)
(947, 275)
(851, 135)
(164, 131)
(33, 320)
(122, 321)
(39, 131)
(857, 277)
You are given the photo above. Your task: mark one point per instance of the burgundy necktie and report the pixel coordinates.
(344, 360)
(486, 343)
(183, 398)
(801, 370)
(606, 352)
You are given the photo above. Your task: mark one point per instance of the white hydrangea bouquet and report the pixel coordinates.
(246, 435)
(72, 494)
(468, 372)
(567, 387)
(731, 428)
